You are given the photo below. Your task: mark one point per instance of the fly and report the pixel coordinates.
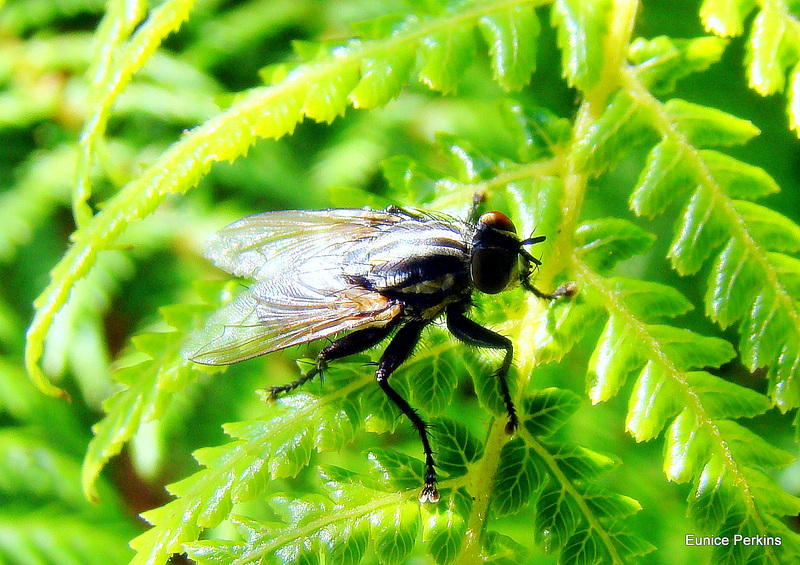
(369, 273)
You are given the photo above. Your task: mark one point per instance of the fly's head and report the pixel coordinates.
(498, 254)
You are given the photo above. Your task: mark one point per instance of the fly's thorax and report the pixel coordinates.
(416, 257)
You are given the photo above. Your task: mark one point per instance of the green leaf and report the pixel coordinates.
(652, 402)
(512, 34)
(725, 17)
(766, 65)
(606, 504)
(557, 514)
(582, 548)
(750, 449)
(616, 355)
(708, 127)
(433, 377)
(579, 463)
(397, 469)
(445, 526)
(394, 532)
(500, 549)
(770, 229)
(686, 448)
(733, 284)
(547, 410)
(665, 177)
(662, 61)
(382, 78)
(327, 100)
(515, 479)
(740, 180)
(622, 127)
(347, 543)
(446, 55)
(582, 28)
(457, 448)
(700, 232)
(649, 300)
(604, 243)
(788, 271)
(687, 349)
(563, 325)
(538, 132)
(723, 399)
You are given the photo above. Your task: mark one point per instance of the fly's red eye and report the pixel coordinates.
(498, 221)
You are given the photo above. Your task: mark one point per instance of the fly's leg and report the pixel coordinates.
(350, 344)
(478, 198)
(566, 289)
(396, 353)
(472, 333)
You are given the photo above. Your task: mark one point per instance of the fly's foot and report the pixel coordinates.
(567, 290)
(429, 493)
(512, 424)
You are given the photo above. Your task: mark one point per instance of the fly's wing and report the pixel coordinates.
(301, 294)
(260, 245)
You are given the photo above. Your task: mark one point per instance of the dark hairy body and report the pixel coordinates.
(369, 273)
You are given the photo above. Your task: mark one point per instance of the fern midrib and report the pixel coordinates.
(665, 127)
(481, 479)
(590, 517)
(526, 333)
(612, 303)
(340, 514)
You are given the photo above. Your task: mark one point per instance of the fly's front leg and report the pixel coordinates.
(472, 333)
(396, 353)
(350, 344)
(566, 289)
(478, 198)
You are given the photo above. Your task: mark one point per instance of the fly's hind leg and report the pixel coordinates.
(350, 344)
(396, 353)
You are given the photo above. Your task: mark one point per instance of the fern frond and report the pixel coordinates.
(278, 446)
(771, 50)
(744, 284)
(150, 385)
(578, 517)
(354, 510)
(703, 445)
(113, 69)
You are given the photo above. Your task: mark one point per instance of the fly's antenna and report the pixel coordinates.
(525, 253)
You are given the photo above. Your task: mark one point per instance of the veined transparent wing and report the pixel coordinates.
(262, 244)
(301, 292)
